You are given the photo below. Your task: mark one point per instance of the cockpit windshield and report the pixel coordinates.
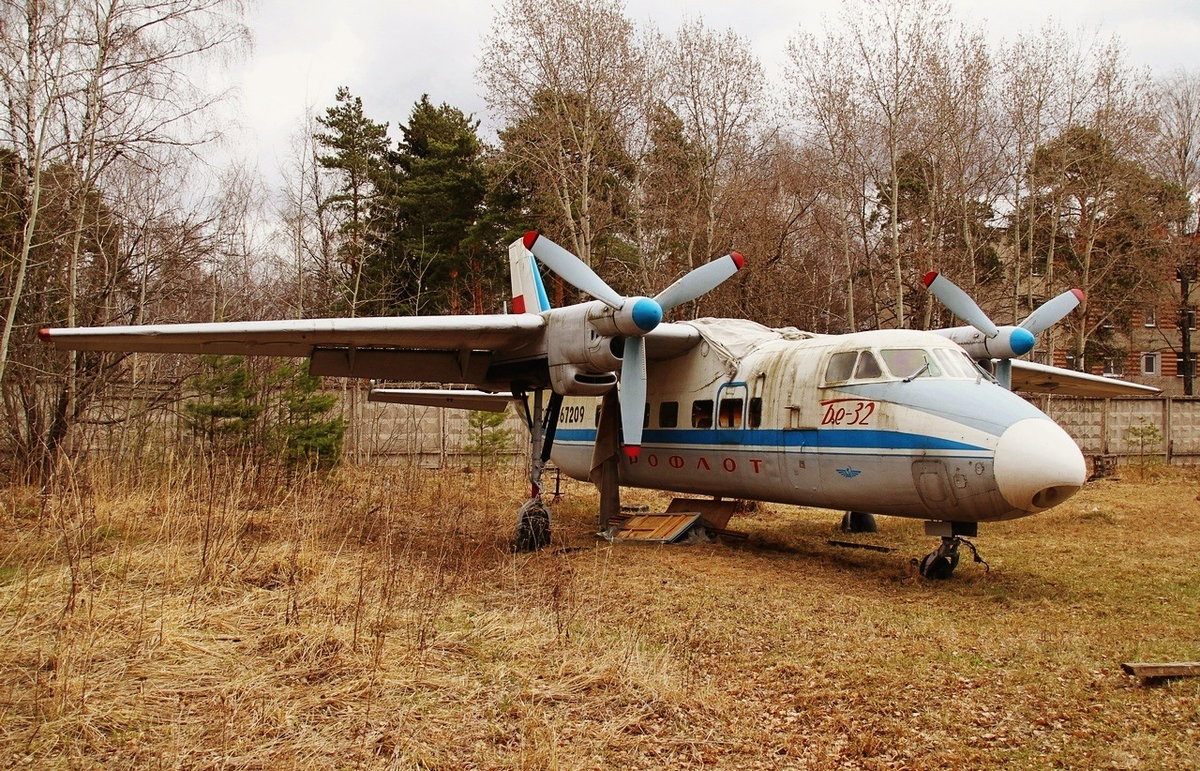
(911, 363)
(900, 363)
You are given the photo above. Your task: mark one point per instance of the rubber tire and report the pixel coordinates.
(859, 522)
(533, 530)
(938, 568)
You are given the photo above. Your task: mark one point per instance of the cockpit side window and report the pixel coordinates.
(841, 366)
(956, 363)
(868, 367)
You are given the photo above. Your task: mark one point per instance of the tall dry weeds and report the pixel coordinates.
(206, 612)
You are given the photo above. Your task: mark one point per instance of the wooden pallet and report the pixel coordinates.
(657, 528)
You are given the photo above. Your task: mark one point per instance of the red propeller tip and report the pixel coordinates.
(929, 277)
(44, 335)
(1079, 293)
(738, 259)
(530, 237)
(632, 451)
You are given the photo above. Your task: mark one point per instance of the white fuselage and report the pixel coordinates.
(888, 422)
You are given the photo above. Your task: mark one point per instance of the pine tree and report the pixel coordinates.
(309, 436)
(439, 194)
(359, 150)
(227, 409)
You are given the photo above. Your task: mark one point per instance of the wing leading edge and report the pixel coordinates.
(1040, 378)
(448, 349)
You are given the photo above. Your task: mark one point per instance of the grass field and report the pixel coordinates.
(224, 618)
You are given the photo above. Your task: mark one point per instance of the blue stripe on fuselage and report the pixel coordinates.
(825, 438)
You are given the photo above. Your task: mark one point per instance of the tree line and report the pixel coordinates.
(897, 140)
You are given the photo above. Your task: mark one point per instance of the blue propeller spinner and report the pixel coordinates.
(634, 317)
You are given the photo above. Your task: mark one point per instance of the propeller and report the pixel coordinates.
(1002, 343)
(633, 317)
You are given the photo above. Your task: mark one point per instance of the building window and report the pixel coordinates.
(1150, 364)
(1070, 361)
(1183, 367)
(1107, 323)
(1150, 318)
(1113, 366)
(668, 414)
(1190, 318)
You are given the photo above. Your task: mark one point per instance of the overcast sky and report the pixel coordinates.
(390, 53)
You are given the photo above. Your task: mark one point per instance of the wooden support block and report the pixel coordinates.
(1148, 671)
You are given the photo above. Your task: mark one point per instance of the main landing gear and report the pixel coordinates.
(533, 518)
(939, 564)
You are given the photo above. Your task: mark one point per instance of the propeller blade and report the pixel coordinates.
(633, 395)
(1052, 311)
(959, 303)
(572, 269)
(700, 281)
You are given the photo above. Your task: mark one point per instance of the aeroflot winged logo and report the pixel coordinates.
(849, 473)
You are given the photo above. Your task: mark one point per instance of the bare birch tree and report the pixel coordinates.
(566, 77)
(88, 89)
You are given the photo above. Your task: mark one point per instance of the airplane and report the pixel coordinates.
(898, 422)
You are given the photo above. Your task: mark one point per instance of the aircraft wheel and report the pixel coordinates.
(533, 526)
(859, 522)
(938, 567)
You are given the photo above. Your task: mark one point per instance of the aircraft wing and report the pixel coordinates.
(1040, 378)
(484, 401)
(448, 349)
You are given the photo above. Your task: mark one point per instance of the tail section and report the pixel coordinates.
(529, 293)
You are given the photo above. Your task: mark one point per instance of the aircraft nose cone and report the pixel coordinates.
(1038, 465)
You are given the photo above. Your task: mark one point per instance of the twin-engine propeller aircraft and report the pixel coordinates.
(898, 422)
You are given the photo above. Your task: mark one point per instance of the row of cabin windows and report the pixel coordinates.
(729, 414)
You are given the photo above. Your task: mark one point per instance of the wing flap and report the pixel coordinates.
(484, 401)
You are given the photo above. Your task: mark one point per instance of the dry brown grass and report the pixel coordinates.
(208, 616)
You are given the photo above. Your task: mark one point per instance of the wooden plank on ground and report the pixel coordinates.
(663, 528)
(1150, 670)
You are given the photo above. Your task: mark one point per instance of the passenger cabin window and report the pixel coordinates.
(730, 414)
(754, 417)
(702, 413)
(668, 414)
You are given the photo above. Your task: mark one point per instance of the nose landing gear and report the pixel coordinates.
(939, 564)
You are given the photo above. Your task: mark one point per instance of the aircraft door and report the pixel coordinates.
(733, 408)
(799, 451)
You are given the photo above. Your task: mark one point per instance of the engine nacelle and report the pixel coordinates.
(582, 360)
(1009, 343)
